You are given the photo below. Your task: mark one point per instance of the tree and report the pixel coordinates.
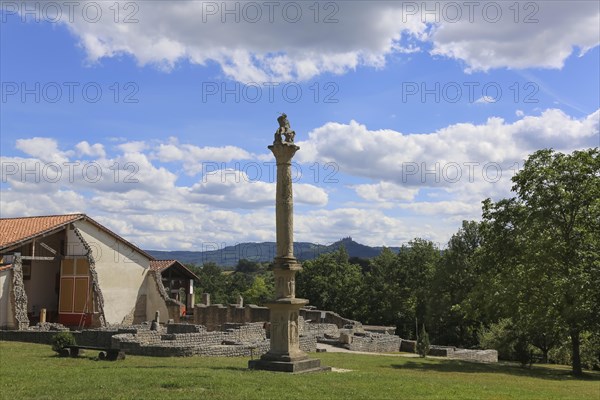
(541, 247)
(455, 276)
(259, 292)
(386, 290)
(248, 267)
(423, 343)
(213, 281)
(418, 261)
(330, 282)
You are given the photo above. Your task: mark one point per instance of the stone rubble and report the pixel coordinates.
(235, 339)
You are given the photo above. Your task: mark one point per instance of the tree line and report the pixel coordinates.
(525, 280)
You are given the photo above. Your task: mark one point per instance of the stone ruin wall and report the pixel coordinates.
(374, 343)
(181, 340)
(240, 331)
(18, 296)
(215, 316)
(486, 356)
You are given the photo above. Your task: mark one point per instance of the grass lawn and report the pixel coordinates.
(31, 371)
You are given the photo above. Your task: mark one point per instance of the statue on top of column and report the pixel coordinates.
(284, 129)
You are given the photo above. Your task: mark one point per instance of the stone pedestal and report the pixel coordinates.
(285, 354)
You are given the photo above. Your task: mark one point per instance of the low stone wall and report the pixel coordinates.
(42, 337)
(95, 337)
(251, 332)
(236, 341)
(319, 330)
(486, 356)
(374, 342)
(408, 346)
(216, 316)
(329, 317)
(390, 330)
(185, 328)
(440, 351)
(454, 353)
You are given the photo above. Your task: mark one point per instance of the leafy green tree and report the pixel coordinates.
(259, 292)
(455, 276)
(331, 282)
(248, 267)
(418, 261)
(541, 247)
(423, 343)
(365, 263)
(213, 281)
(499, 336)
(386, 290)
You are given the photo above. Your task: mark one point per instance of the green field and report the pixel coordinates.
(30, 371)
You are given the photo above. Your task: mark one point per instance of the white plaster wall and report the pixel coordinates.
(74, 245)
(121, 270)
(154, 301)
(6, 313)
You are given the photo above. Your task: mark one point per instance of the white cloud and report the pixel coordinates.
(50, 169)
(18, 203)
(553, 29)
(466, 210)
(95, 150)
(46, 149)
(230, 206)
(250, 47)
(385, 191)
(169, 153)
(405, 159)
(232, 188)
(486, 100)
(133, 147)
(367, 226)
(195, 154)
(196, 159)
(467, 161)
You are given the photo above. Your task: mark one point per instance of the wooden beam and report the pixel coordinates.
(34, 258)
(50, 249)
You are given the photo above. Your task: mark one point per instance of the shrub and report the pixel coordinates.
(523, 352)
(423, 343)
(62, 340)
(499, 336)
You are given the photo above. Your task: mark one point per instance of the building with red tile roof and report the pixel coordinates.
(77, 270)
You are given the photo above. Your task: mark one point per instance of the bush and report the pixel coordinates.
(423, 343)
(62, 340)
(499, 336)
(523, 351)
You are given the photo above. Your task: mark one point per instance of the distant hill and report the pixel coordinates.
(265, 252)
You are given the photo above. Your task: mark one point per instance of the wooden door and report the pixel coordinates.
(75, 305)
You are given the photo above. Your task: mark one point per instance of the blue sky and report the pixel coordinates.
(405, 123)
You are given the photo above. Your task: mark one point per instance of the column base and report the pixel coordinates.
(294, 367)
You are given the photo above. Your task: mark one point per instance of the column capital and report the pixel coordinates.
(284, 152)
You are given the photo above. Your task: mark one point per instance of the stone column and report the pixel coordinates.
(284, 201)
(285, 354)
(206, 299)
